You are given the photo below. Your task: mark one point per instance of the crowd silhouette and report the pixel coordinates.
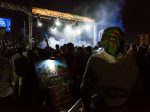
(26, 94)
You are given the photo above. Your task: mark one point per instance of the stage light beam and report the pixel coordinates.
(57, 22)
(87, 27)
(53, 30)
(39, 24)
(68, 28)
(78, 31)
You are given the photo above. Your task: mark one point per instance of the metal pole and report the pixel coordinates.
(24, 32)
(30, 29)
(30, 24)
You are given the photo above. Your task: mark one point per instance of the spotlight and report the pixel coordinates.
(68, 28)
(53, 29)
(39, 24)
(57, 22)
(87, 27)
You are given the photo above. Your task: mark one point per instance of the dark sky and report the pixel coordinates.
(134, 13)
(136, 16)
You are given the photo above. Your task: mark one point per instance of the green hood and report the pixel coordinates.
(113, 40)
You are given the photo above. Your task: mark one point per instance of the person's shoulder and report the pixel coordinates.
(93, 56)
(99, 55)
(96, 57)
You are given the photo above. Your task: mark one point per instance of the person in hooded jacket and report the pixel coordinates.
(110, 75)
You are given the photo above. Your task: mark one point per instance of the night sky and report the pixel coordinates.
(134, 14)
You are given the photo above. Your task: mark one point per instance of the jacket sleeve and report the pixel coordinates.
(87, 85)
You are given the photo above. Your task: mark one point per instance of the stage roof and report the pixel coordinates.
(67, 16)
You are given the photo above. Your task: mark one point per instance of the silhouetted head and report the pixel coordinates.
(56, 46)
(70, 47)
(113, 39)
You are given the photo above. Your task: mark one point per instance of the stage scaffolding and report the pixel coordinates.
(44, 12)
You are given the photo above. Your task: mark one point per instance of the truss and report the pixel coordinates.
(14, 7)
(67, 16)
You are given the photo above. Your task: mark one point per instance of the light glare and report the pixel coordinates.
(78, 31)
(57, 22)
(39, 24)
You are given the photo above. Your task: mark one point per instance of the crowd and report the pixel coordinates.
(21, 83)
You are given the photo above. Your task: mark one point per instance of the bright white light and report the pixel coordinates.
(100, 34)
(50, 64)
(53, 29)
(39, 24)
(68, 28)
(87, 27)
(57, 22)
(78, 31)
